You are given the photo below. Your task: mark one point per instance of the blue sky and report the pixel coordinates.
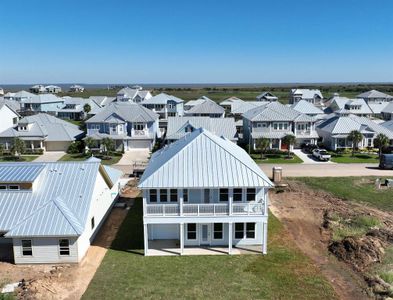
(196, 41)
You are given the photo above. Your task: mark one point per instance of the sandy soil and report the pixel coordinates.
(301, 211)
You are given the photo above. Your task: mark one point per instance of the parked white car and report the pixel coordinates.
(321, 154)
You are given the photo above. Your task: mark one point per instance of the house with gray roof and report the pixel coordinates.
(308, 108)
(387, 111)
(42, 131)
(129, 124)
(181, 126)
(192, 103)
(53, 89)
(227, 103)
(102, 100)
(313, 96)
(204, 191)
(135, 94)
(38, 89)
(274, 121)
(42, 103)
(76, 88)
(206, 108)
(51, 212)
(388, 125)
(375, 96)
(334, 130)
(165, 105)
(267, 97)
(19, 96)
(357, 107)
(74, 108)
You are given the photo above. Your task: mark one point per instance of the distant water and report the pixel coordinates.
(66, 86)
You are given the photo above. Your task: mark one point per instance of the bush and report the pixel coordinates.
(76, 147)
(38, 151)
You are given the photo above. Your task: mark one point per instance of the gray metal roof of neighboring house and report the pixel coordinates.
(275, 111)
(267, 95)
(20, 173)
(11, 104)
(338, 124)
(306, 107)
(377, 108)
(206, 107)
(79, 104)
(162, 99)
(45, 127)
(230, 100)
(127, 111)
(113, 174)
(374, 94)
(240, 107)
(102, 100)
(58, 205)
(194, 102)
(202, 160)
(20, 94)
(44, 98)
(388, 108)
(307, 93)
(219, 126)
(388, 125)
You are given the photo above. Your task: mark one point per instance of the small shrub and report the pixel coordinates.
(76, 147)
(387, 276)
(366, 222)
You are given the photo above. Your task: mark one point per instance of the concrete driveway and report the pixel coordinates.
(125, 164)
(309, 159)
(327, 170)
(50, 156)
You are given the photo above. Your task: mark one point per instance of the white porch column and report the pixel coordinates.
(230, 238)
(279, 144)
(32, 145)
(145, 238)
(41, 145)
(264, 245)
(181, 238)
(230, 201)
(181, 200)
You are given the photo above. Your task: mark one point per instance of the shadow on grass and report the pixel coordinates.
(129, 238)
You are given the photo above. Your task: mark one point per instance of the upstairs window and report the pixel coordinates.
(185, 195)
(163, 195)
(27, 249)
(64, 247)
(251, 194)
(224, 195)
(237, 195)
(153, 195)
(14, 187)
(173, 195)
(139, 126)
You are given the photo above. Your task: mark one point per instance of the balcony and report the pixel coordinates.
(208, 209)
(140, 133)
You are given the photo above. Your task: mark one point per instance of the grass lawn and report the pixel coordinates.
(358, 189)
(77, 123)
(24, 158)
(79, 157)
(347, 158)
(276, 159)
(284, 273)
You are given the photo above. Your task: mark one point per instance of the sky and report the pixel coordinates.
(181, 41)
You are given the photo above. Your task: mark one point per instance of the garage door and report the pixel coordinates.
(164, 231)
(57, 146)
(136, 144)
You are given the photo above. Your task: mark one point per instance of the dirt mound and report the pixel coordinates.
(359, 252)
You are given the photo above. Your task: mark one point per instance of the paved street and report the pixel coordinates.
(327, 170)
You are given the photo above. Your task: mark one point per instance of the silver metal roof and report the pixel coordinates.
(162, 99)
(19, 173)
(307, 93)
(206, 107)
(374, 94)
(275, 111)
(202, 160)
(306, 107)
(57, 206)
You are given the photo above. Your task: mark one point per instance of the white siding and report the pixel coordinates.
(45, 250)
(6, 118)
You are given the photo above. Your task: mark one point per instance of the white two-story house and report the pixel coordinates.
(313, 96)
(204, 191)
(165, 105)
(128, 124)
(274, 121)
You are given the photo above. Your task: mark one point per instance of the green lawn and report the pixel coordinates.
(24, 158)
(347, 158)
(79, 157)
(358, 189)
(276, 159)
(284, 273)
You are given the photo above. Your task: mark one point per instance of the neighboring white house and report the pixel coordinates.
(42, 131)
(135, 94)
(357, 107)
(180, 126)
(51, 212)
(204, 190)
(8, 116)
(54, 89)
(335, 129)
(20, 96)
(38, 89)
(1, 91)
(267, 97)
(374, 96)
(74, 108)
(165, 105)
(77, 88)
(274, 121)
(129, 124)
(310, 95)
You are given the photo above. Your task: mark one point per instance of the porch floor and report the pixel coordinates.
(172, 247)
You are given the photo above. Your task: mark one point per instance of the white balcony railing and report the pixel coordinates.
(202, 209)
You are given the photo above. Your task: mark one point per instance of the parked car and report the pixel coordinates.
(386, 161)
(321, 154)
(309, 148)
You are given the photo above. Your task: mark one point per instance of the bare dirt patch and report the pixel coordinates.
(303, 212)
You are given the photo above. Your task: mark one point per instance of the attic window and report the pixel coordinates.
(189, 129)
(14, 187)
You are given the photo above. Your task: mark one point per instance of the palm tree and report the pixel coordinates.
(89, 142)
(262, 145)
(355, 137)
(18, 147)
(289, 140)
(87, 108)
(381, 141)
(108, 144)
